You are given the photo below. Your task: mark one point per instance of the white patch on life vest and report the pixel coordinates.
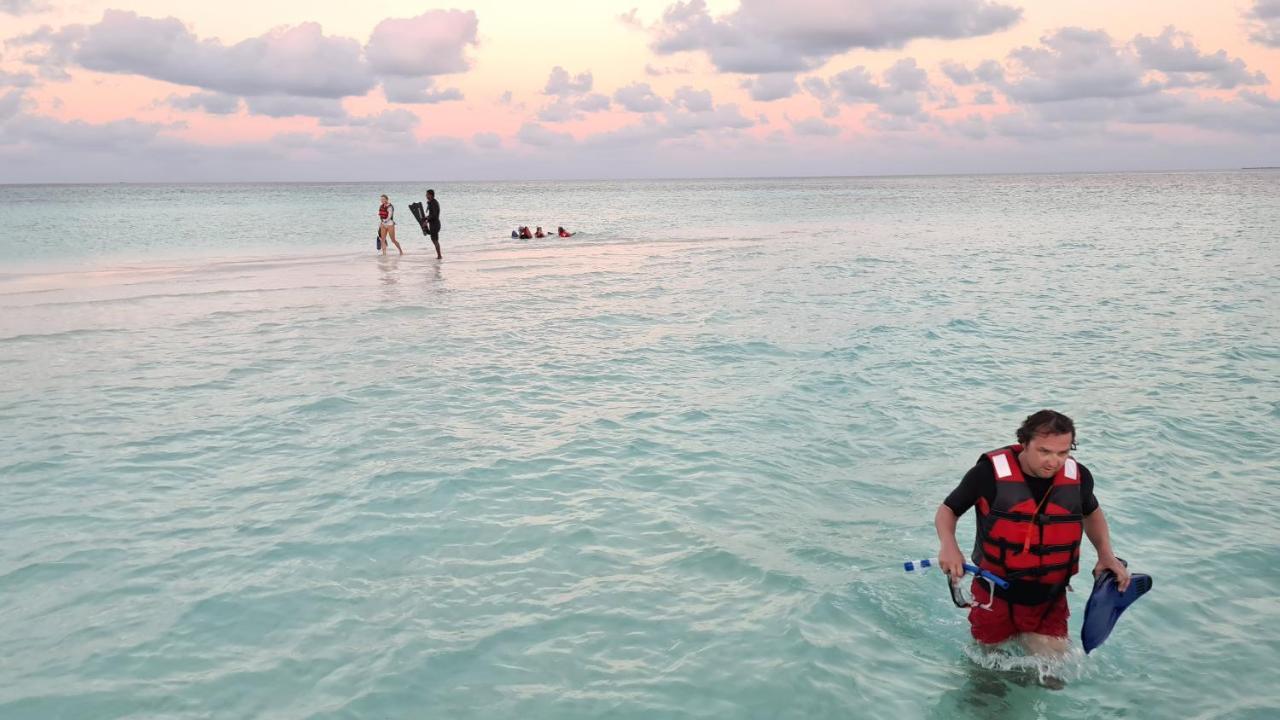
(1071, 470)
(1001, 464)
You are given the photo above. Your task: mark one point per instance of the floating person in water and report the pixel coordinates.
(1035, 504)
(387, 225)
(563, 233)
(524, 233)
(538, 233)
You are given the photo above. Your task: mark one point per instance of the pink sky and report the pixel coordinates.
(287, 90)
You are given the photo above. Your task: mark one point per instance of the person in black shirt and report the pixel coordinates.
(433, 221)
(1034, 503)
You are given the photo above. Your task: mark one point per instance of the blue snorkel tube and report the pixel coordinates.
(992, 580)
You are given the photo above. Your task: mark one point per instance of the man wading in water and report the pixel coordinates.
(1035, 502)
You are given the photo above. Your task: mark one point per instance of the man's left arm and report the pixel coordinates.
(1095, 526)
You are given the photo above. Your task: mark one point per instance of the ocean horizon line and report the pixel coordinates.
(639, 179)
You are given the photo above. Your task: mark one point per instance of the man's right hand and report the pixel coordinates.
(952, 561)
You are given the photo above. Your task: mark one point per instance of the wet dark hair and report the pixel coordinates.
(1046, 422)
(432, 193)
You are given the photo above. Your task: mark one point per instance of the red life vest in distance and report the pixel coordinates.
(1025, 543)
(382, 211)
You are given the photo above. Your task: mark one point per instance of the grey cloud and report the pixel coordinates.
(1075, 63)
(486, 140)
(298, 60)
(639, 97)
(900, 93)
(538, 136)
(23, 7)
(1264, 22)
(22, 80)
(814, 127)
(652, 71)
(984, 97)
(958, 73)
(115, 136)
(210, 102)
(11, 104)
(692, 100)
(973, 127)
(558, 111)
(1176, 54)
(764, 36)
(566, 109)
(55, 49)
(773, 86)
(720, 117)
(561, 84)
(573, 96)
(417, 90)
(278, 106)
(433, 43)
(1259, 99)
(674, 127)
(397, 121)
(595, 102)
(817, 87)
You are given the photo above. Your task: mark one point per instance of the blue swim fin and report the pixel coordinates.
(1105, 605)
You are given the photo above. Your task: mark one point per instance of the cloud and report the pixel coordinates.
(692, 100)
(532, 133)
(899, 93)
(57, 47)
(1075, 63)
(210, 102)
(396, 121)
(573, 96)
(652, 71)
(433, 43)
(487, 140)
(22, 80)
(958, 73)
(984, 97)
(118, 136)
(298, 60)
(639, 97)
(1264, 22)
(973, 127)
(23, 7)
(417, 90)
(814, 127)
(1175, 54)
(631, 18)
(279, 106)
(301, 61)
(763, 36)
(774, 86)
(561, 84)
(11, 103)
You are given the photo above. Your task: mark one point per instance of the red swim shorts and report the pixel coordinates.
(997, 624)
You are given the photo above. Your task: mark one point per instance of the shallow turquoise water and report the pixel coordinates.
(668, 468)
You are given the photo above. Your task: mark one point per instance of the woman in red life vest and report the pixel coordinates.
(1035, 504)
(387, 225)
(563, 233)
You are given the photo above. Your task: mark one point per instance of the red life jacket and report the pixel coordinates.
(382, 211)
(1025, 544)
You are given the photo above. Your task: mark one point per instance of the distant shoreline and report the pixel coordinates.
(1262, 167)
